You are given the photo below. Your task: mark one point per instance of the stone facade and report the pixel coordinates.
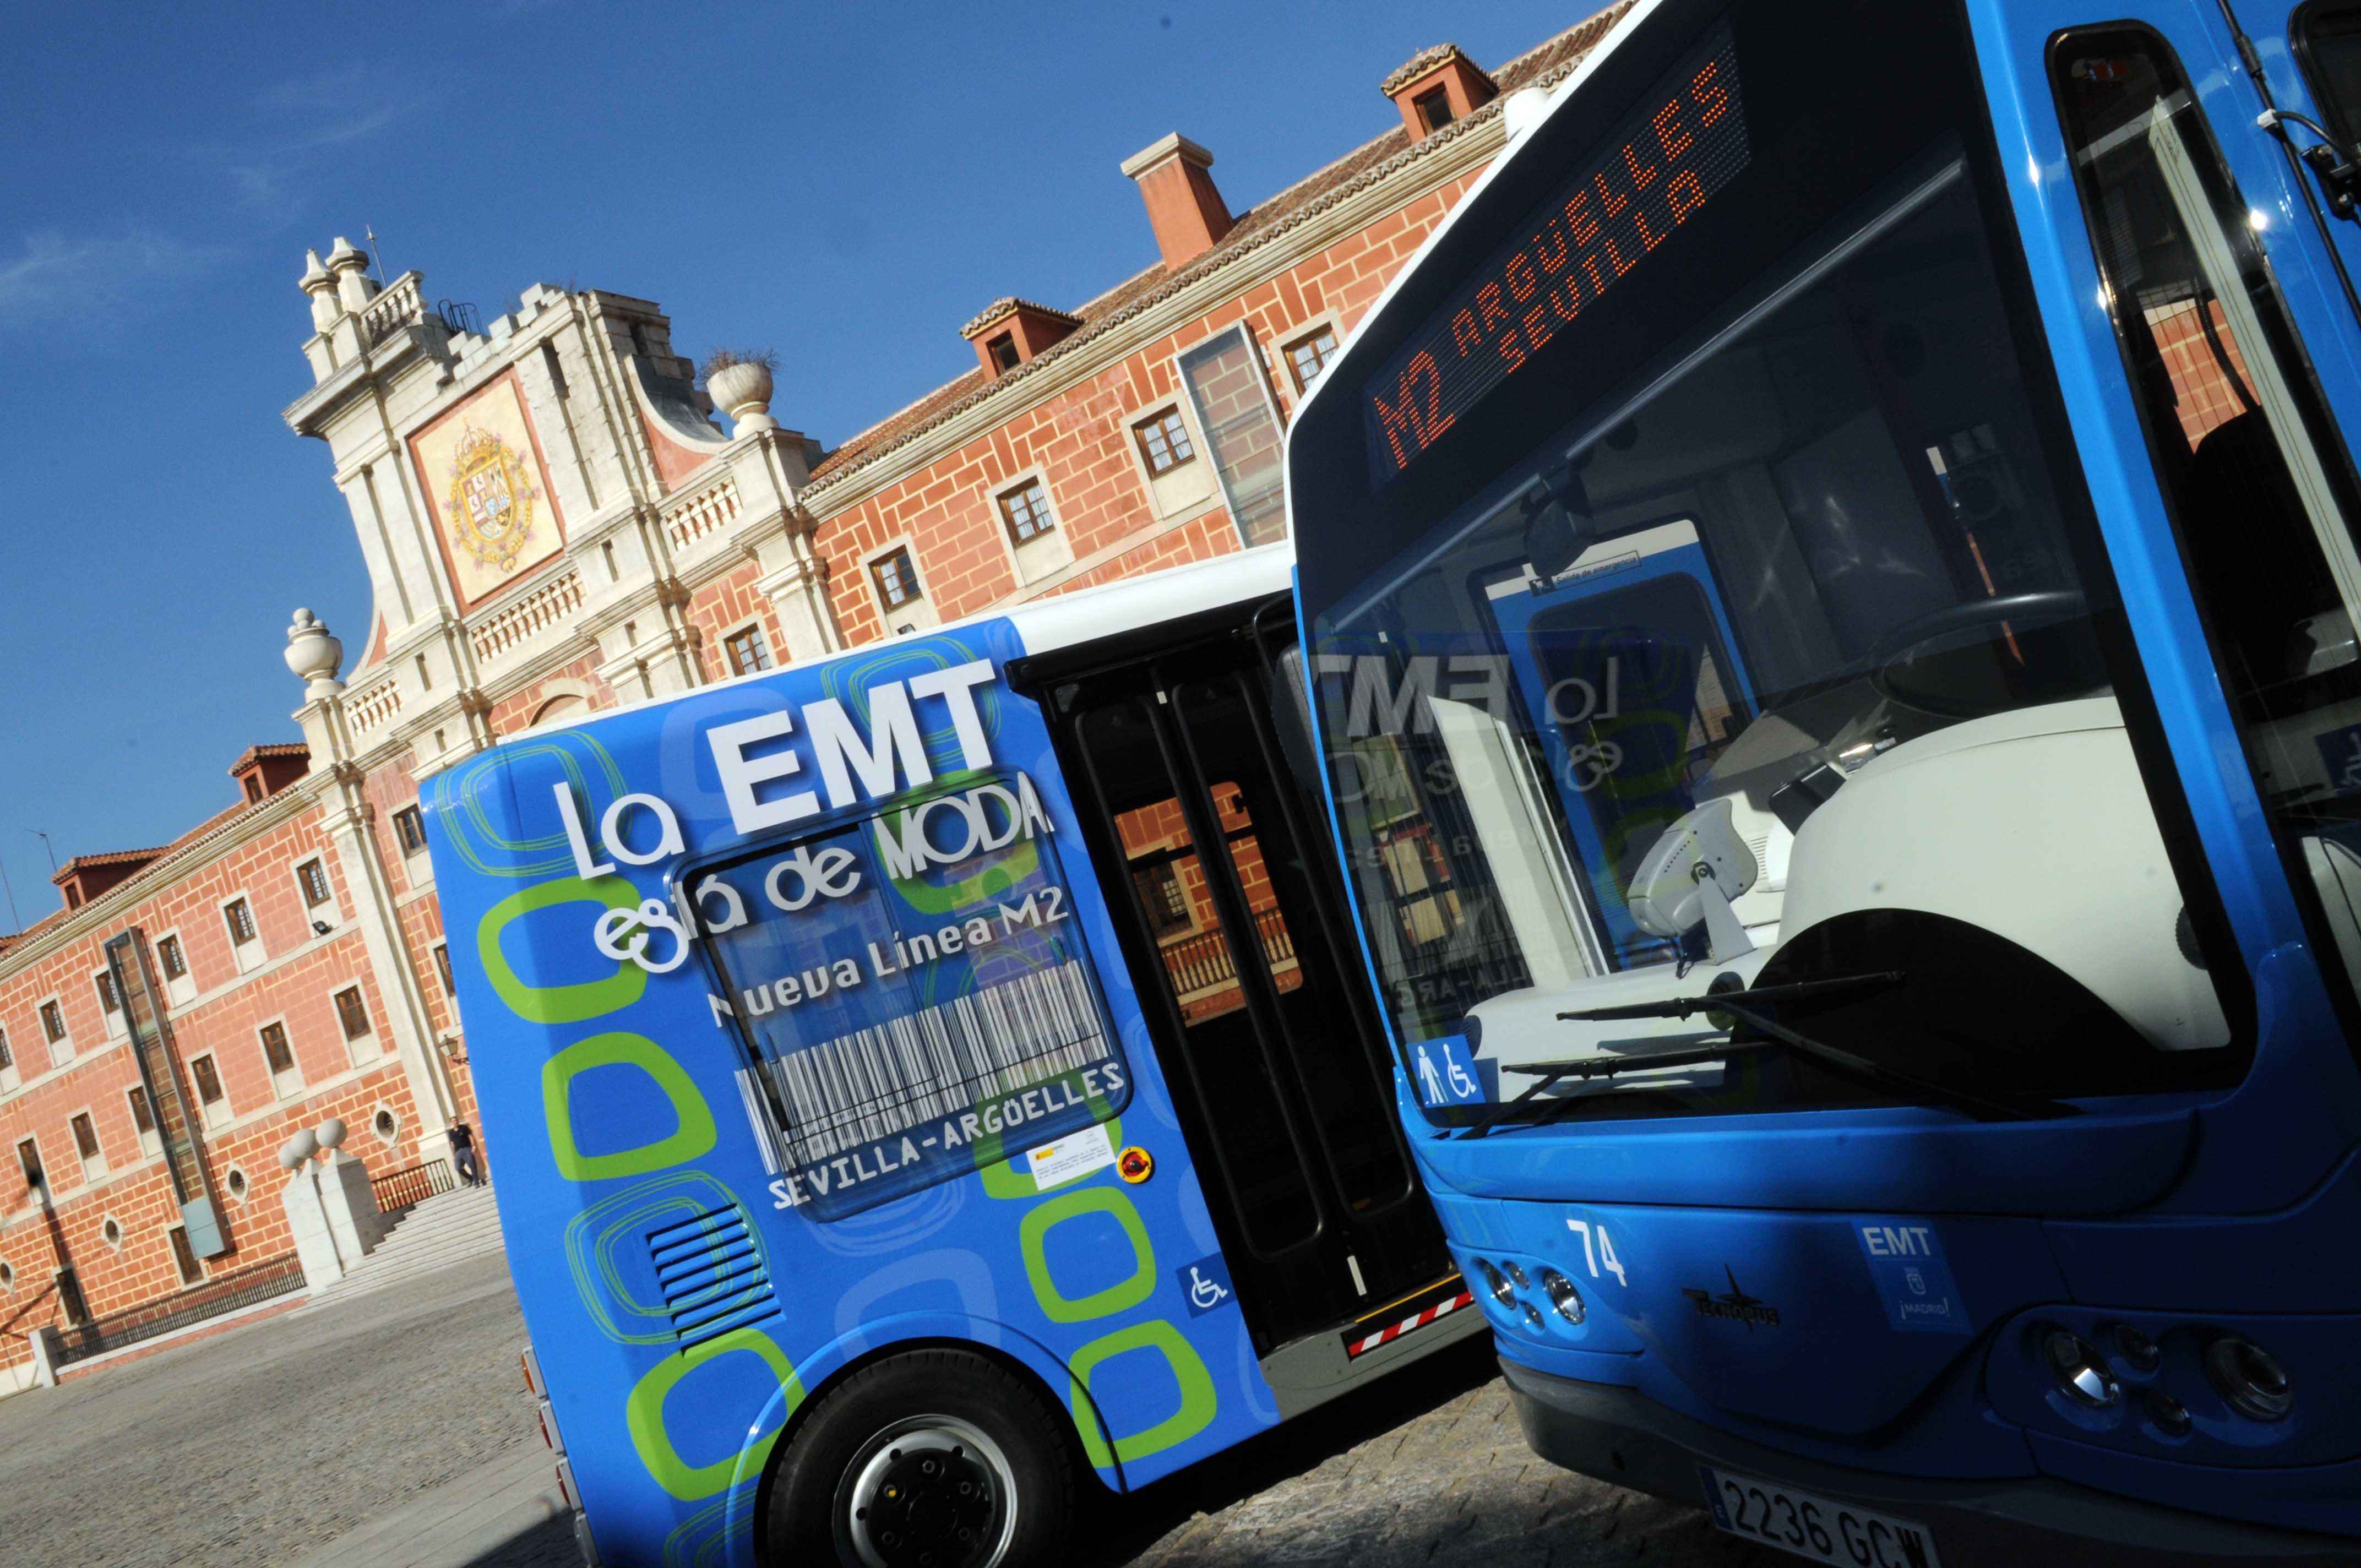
(554, 521)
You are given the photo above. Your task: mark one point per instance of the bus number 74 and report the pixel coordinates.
(1603, 1260)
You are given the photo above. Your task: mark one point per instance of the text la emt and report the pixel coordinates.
(853, 767)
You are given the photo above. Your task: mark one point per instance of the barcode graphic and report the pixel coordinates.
(759, 1117)
(936, 1062)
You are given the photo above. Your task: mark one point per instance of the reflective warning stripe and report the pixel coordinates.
(1393, 1332)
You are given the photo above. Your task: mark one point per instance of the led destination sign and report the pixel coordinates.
(1684, 143)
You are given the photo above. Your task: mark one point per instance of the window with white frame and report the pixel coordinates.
(278, 1057)
(1024, 512)
(748, 649)
(110, 1005)
(319, 897)
(244, 938)
(172, 961)
(443, 971)
(1164, 443)
(143, 1121)
(901, 596)
(410, 831)
(86, 1146)
(897, 579)
(29, 1170)
(9, 1075)
(353, 1016)
(1309, 355)
(207, 1077)
(53, 1031)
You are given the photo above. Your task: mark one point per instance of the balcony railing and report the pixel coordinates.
(399, 1192)
(214, 1298)
(1205, 962)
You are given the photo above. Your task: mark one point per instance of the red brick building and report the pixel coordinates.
(554, 521)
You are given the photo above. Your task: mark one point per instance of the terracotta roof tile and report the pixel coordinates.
(1541, 66)
(1422, 62)
(107, 858)
(1008, 305)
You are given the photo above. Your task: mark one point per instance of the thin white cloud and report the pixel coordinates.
(55, 273)
(263, 173)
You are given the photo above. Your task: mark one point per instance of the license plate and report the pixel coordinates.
(1814, 1527)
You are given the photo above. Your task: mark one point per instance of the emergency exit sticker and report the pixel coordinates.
(1906, 1262)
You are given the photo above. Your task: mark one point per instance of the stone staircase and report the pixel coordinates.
(442, 1231)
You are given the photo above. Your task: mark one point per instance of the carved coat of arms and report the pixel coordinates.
(491, 500)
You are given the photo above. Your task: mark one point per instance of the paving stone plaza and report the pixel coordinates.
(390, 1429)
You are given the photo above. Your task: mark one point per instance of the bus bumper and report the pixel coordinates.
(1619, 1436)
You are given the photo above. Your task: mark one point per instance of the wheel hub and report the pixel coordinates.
(930, 1498)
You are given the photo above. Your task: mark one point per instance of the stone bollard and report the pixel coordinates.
(307, 1218)
(345, 1195)
(45, 1357)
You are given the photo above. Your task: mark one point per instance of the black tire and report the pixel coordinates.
(886, 1453)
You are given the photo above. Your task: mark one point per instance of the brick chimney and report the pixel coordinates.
(1437, 86)
(1183, 208)
(1011, 330)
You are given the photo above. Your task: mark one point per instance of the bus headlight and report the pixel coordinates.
(1563, 1295)
(1495, 1284)
(2249, 1379)
(1517, 1274)
(2081, 1372)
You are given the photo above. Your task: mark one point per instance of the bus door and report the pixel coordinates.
(1236, 939)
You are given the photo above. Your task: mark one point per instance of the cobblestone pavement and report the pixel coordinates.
(256, 1449)
(1427, 1468)
(250, 1448)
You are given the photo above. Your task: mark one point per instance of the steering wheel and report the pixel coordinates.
(1890, 661)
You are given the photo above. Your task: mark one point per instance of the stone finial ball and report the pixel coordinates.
(331, 1133)
(297, 1149)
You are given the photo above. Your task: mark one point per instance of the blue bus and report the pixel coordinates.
(928, 1079)
(1831, 592)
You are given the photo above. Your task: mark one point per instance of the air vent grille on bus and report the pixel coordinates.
(713, 1273)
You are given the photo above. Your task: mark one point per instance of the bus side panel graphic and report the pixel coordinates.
(695, 1295)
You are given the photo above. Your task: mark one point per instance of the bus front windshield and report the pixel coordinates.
(1780, 657)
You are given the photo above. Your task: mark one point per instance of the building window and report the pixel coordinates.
(1026, 511)
(442, 969)
(1163, 897)
(748, 651)
(410, 826)
(1308, 356)
(106, 997)
(7, 1059)
(169, 954)
(352, 1012)
(209, 1085)
(897, 580)
(28, 1161)
(1164, 442)
(253, 789)
(184, 1256)
(239, 918)
(281, 1059)
(1434, 108)
(53, 1022)
(1003, 350)
(85, 1136)
(141, 1116)
(314, 877)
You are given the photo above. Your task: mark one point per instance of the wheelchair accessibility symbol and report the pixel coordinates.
(1206, 1285)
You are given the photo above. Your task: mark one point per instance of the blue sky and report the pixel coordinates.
(846, 184)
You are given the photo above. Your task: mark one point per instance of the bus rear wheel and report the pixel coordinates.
(938, 1459)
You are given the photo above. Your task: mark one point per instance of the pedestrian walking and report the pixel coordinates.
(463, 1154)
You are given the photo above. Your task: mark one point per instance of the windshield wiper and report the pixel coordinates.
(1746, 1005)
